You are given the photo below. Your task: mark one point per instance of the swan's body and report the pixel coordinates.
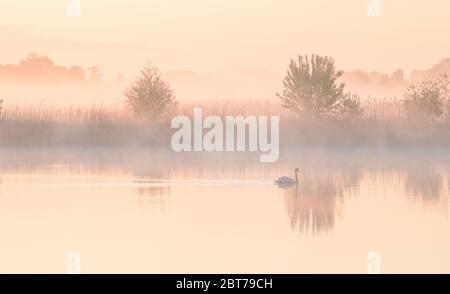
(287, 181)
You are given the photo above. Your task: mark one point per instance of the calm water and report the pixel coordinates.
(212, 218)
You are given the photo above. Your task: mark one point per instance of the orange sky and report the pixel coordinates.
(211, 35)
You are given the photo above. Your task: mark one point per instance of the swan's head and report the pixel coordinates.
(297, 170)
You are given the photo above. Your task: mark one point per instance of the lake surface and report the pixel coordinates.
(216, 217)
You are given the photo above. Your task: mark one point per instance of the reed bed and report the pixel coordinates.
(383, 124)
(70, 114)
(387, 109)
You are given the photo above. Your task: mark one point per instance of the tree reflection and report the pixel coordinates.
(313, 204)
(424, 184)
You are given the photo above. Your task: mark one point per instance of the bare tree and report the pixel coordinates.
(94, 73)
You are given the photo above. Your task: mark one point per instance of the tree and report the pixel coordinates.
(149, 95)
(34, 60)
(350, 107)
(94, 73)
(311, 88)
(426, 100)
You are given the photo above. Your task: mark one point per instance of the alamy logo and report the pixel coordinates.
(374, 8)
(73, 263)
(373, 263)
(73, 8)
(228, 136)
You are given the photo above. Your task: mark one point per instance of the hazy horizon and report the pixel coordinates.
(225, 50)
(47, 82)
(122, 35)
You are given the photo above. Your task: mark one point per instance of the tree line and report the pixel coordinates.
(311, 90)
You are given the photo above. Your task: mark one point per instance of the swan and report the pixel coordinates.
(287, 181)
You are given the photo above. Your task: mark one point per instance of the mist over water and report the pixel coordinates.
(162, 213)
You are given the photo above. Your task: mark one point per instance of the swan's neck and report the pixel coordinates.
(296, 176)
